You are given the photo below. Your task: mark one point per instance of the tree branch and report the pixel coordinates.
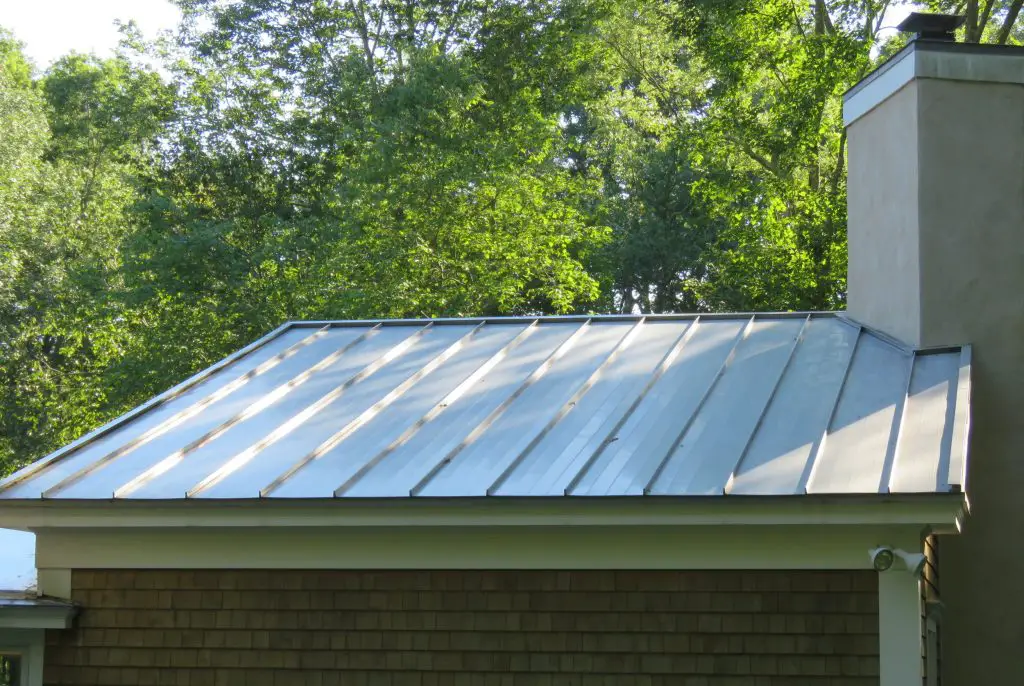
(376, 32)
(985, 15)
(769, 165)
(665, 102)
(837, 173)
(971, 22)
(822, 22)
(1008, 22)
(359, 14)
(881, 17)
(458, 9)
(796, 20)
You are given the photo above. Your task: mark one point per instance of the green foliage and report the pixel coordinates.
(770, 137)
(987, 21)
(69, 176)
(15, 68)
(360, 158)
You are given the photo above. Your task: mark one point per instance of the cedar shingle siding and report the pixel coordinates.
(537, 628)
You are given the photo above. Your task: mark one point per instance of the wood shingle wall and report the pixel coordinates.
(317, 628)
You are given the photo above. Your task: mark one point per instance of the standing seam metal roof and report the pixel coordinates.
(774, 404)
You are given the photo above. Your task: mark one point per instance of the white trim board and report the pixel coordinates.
(923, 61)
(599, 547)
(899, 629)
(27, 645)
(28, 617)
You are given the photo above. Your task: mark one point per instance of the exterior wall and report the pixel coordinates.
(883, 285)
(971, 194)
(255, 627)
(937, 172)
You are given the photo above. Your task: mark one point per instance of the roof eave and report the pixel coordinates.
(936, 511)
(22, 611)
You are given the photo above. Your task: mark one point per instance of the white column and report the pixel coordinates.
(899, 629)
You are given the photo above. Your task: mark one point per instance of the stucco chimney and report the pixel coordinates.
(936, 257)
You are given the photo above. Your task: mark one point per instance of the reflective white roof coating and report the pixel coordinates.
(773, 404)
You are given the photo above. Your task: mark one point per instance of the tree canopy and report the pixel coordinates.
(344, 159)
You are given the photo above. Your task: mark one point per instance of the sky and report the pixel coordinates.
(51, 28)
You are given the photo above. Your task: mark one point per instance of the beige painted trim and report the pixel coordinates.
(939, 512)
(899, 628)
(35, 617)
(54, 583)
(898, 73)
(924, 62)
(600, 547)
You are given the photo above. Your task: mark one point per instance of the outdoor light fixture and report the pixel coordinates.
(883, 558)
(913, 561)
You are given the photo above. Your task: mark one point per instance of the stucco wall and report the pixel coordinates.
(972, 198)
(883, 279)
(936, 236)
(763, 628)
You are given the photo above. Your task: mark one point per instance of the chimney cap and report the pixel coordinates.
(931, 26)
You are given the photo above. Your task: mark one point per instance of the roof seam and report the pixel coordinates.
(744, 333)
(437, 409)
(955, 457)
(567, 406)
(659, 372)
(892, 449)
(470, 438)
(323, 401)
(569, 318)
(817, 450)
(764, 410)
(44, 464)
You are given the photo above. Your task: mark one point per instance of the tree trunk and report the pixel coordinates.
(971, 22)
(1008, 22)
(986, 14)
(822, 22)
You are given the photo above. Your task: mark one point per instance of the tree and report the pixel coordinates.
(986, 21)
(386, 150)
(769, 141)
(69, 175)
(329, 159)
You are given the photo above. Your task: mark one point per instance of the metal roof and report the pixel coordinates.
(776, 404)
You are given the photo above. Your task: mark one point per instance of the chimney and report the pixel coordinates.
(936, 193)
(936, 258)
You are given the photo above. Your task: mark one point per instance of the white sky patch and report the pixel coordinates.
(17, 559)
(51, 28)
(893, 16)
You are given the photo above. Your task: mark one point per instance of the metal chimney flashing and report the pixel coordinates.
(933, 59)
(932, 26)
